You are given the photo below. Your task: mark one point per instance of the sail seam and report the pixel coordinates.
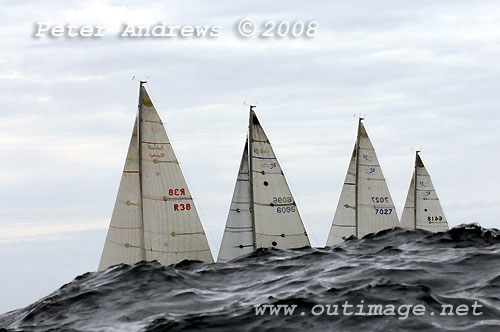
(266, 173)
(276, 204)
(176, 234)
(177, 252)
(156, 161)
(124, 227)
(153, 121)
(155, 143)
(169, 198)
(172, 233)
(263, 157)
(377, 165)
(280, 235)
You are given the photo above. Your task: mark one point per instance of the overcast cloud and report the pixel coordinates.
(425, 74)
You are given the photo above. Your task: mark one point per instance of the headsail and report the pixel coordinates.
(164, 215)
(124, 242)
(238, 234)
(344, 222)
(274, 219)
(427, 213)
(365, 204)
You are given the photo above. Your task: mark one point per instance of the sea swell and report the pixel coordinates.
(394, 267)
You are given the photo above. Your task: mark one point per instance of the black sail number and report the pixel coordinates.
(383, 211)
(435, 218)
(377, 199)
(282, 200)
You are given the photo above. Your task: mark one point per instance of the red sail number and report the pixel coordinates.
(182, 207)
(177, 192)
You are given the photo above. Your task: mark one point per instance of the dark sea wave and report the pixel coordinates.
(396, 267)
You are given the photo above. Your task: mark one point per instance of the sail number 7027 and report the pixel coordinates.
(380, 199)
(383, 211)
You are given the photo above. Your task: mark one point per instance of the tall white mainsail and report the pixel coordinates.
(263, 212)
(154, 216)
(365, 205)
(422, 208)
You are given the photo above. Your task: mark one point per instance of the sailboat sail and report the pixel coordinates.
(365, 204)
(161, 211)
(344, 221)
(277, 220)
(274, 218)
(238, 235)
(124, 242)
(427, 213)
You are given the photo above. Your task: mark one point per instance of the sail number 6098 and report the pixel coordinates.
(284, 199)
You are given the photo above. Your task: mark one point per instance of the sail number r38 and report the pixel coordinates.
(182, 207)
(177, 192)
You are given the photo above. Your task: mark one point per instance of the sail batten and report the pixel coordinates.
(166, 224)
(365, 205)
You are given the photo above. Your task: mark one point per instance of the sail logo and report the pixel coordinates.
(270, 165)
(157, 155)
(260, 151)
(155, 147)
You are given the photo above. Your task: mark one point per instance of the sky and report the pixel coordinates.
(424, 74)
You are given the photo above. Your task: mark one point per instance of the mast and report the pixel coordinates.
(356, 182)
(139, 135)
(250, 163)
(415, 192)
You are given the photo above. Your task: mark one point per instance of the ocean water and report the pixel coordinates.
(417, 278)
